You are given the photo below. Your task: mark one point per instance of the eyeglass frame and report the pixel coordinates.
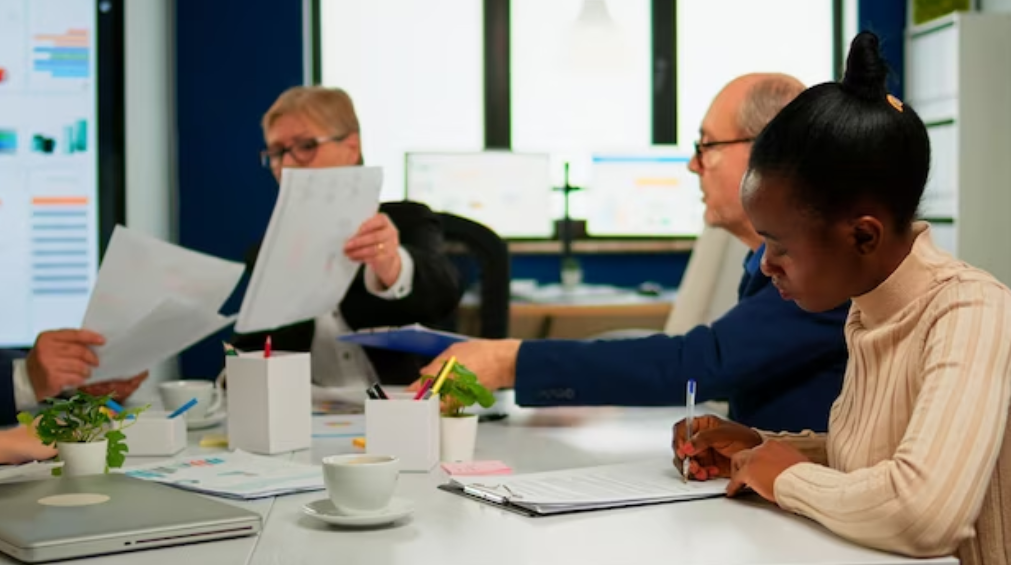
(266, 155)
(701, 146)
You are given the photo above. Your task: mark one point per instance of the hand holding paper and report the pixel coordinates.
(301, 271)
(152, 300)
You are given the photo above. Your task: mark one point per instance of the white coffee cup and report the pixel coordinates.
(360, 485)
(176, 393)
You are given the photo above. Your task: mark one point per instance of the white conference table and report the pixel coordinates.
(447, 528)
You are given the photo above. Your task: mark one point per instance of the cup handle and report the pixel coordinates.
(216, 403)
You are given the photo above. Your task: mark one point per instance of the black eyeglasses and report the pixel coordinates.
(701, 146)
(302, 151)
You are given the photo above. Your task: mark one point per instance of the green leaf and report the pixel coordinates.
(26, 419)
(114, 436)
(485, 398)
(463, 371)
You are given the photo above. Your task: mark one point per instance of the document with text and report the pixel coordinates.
(154, 299)
(590, 488)
(301, 271)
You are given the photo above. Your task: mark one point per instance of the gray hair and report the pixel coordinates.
(764, 100)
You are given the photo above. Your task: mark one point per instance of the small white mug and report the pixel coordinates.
(176, 393)
(360, 485)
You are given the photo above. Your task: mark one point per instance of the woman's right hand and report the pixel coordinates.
(21, 445)
(712, 445)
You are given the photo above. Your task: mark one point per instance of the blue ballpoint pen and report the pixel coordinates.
(182, 409)
(117, 408)
(690, 406)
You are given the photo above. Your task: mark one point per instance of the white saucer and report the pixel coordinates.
(324, 510)
(207, 421)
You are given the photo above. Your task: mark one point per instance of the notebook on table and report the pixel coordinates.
(415, 339)
(590, 488)
(65, 518)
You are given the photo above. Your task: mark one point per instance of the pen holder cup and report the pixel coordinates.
(154, 434)
(404, 428)
(269, 402)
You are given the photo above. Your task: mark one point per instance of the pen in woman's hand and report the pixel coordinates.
(690, 406)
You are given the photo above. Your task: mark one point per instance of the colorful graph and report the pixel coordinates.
(166, 470)
(8, 141)
(66, 55)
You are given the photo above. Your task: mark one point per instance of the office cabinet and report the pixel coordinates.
(958, 78)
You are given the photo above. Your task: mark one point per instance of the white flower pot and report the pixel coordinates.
(83, 458)
(457, 438)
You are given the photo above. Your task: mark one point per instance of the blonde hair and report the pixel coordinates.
(329, 108)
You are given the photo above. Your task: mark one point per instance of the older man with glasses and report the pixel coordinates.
(776, 364)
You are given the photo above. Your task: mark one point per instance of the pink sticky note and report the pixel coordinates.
(477, 468)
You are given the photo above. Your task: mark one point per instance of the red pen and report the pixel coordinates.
(266, 348)
(424, 389)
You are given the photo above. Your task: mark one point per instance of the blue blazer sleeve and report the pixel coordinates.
(8, 409)
(763, 343)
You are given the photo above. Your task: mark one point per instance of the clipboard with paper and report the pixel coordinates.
(414, 338)
(591, 488)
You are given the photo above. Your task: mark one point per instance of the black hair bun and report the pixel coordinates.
(866, 70)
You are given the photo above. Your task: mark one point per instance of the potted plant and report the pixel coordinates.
(458, 429)
(88, 436)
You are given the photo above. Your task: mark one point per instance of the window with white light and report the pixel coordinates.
(415, 73)
(718, 40)
(581, 79)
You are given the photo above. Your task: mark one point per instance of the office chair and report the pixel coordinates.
(492, 255)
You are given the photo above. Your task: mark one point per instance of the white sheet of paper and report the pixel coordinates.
(154, 299)
(169, 328)
(301, 271)
(138, 271)
(629, 482)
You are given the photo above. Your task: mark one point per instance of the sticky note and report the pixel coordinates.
(214, 440)
(477, 468)
(358, 442)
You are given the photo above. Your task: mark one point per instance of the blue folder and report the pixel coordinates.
(415, 339)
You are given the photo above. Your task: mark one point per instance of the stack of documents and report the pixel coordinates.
(238, 475)
(154, 299)
(592, 488)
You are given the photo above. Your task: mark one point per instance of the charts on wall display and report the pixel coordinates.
(48, 165)
(643, 194)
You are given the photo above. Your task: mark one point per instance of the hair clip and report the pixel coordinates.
(895, 102)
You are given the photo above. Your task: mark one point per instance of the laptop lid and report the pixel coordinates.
(81, 516)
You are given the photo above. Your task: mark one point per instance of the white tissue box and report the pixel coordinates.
(269, 402)
(404, 428)
(154, 434)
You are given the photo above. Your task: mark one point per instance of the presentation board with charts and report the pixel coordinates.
(643, 194)
(49, 164)
(511, 193)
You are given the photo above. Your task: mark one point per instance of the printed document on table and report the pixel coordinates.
(591, 488)
(237, 474)
(301, 271)
(148, 291)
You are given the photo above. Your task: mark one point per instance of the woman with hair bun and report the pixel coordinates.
(916, 459)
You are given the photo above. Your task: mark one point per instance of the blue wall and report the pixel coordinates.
(887, 19)
(233, 58)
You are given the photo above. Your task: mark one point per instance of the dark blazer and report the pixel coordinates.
(435, 294)
(8, 409)
(779, 367)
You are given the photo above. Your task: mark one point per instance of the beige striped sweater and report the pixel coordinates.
(916, 459)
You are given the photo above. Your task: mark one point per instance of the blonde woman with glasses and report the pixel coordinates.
(405, 275)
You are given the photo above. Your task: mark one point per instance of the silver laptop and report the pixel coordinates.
(63, 518)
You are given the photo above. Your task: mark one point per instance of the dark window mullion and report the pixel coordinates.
(664, 65)
(497, 100)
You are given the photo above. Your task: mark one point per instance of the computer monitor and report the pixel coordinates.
(643, 194)
(61, 88)
(511, 193)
